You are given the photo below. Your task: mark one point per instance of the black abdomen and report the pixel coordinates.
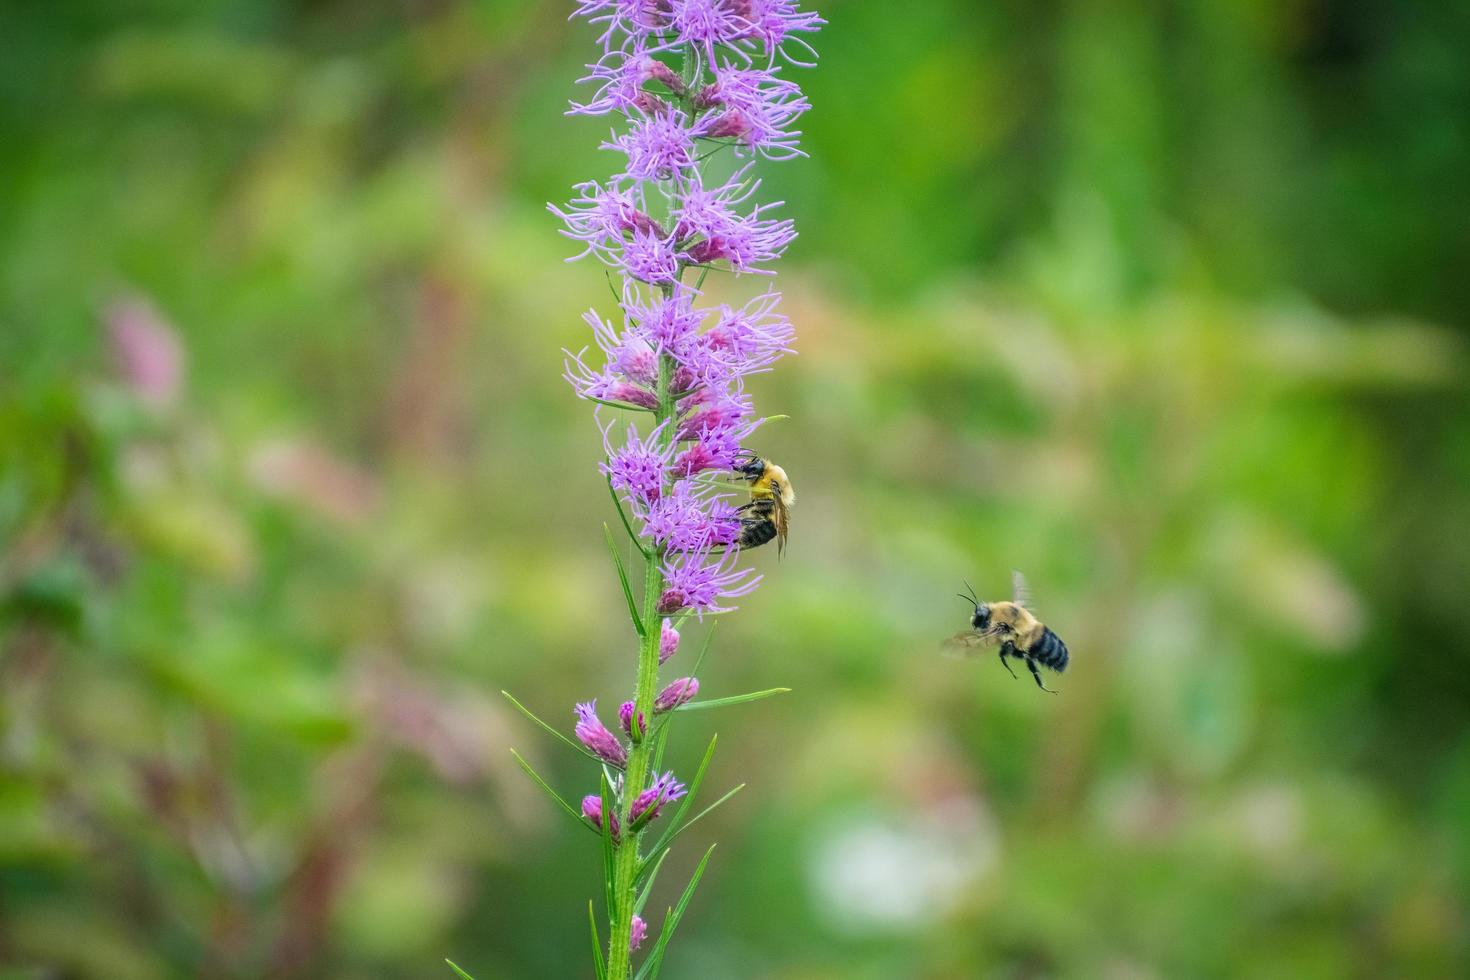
(1050, 651)
(756, 531)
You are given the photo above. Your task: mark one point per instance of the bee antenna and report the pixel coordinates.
(967, 599)
(971, 589)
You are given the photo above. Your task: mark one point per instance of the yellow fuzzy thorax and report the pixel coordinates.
(773, 474)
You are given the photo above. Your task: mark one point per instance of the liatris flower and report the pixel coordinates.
(668, 642)
(625, 716)
(755, 109)
(682, 519)
(693, 582)
(680, 80)
(659, 146)
(592, 810)
(707, 221)
(682, 691)
(595, 735)
(637, 467)
(648, 805)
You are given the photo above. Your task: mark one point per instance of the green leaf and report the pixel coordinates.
(648, 885)
(661, 739)
(662, 722)
(623, 406)
(623, 516)
(528, 713)
(703, 649)
(549, 791)
(623, 577)
(671, 921)
(597, 961)
(684, 805)
(696, 818)
(609, 872)
(735, 699)
(455, 967)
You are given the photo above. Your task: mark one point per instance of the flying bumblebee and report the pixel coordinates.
(1011, 625)
(768, 515)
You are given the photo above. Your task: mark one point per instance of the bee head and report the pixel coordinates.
(749, 465)
(981, 619)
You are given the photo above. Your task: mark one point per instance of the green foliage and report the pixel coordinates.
(1140, 302)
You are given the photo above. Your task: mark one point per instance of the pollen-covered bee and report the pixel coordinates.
(1012, 626)
(768, 515)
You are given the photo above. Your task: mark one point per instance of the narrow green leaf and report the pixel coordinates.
(648, 885)
(684, 804)
(623, 578)
(597, 961)
(703, 649)
(549, 791)
(623, 516)
(661, 739)
(623, 406)
(609, 873)
(528, 713)
(671, 922)
(734, 699)
(695, 819)
(455, 967)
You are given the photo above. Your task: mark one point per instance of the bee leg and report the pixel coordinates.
(1006, 650)
(1037, 674)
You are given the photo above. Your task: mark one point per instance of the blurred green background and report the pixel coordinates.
(1165, 304)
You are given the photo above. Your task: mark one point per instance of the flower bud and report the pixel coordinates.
(662, 73)
(668, 642)
(677, 693)
(732, 125)
(637, 934)
(592, 810)
(665, 789)
(625, 715)
(602, 743)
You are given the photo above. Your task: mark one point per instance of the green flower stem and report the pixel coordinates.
(635, 776)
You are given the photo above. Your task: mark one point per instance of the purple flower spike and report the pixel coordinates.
(638, 933)
(625, 716)
(680, 692)
(668, 642)
(680, 82)
(602, 743)
(592, 810)
(665, 789)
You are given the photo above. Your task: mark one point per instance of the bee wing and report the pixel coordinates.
(964, 645)
(1020, 594)
(782, 520)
